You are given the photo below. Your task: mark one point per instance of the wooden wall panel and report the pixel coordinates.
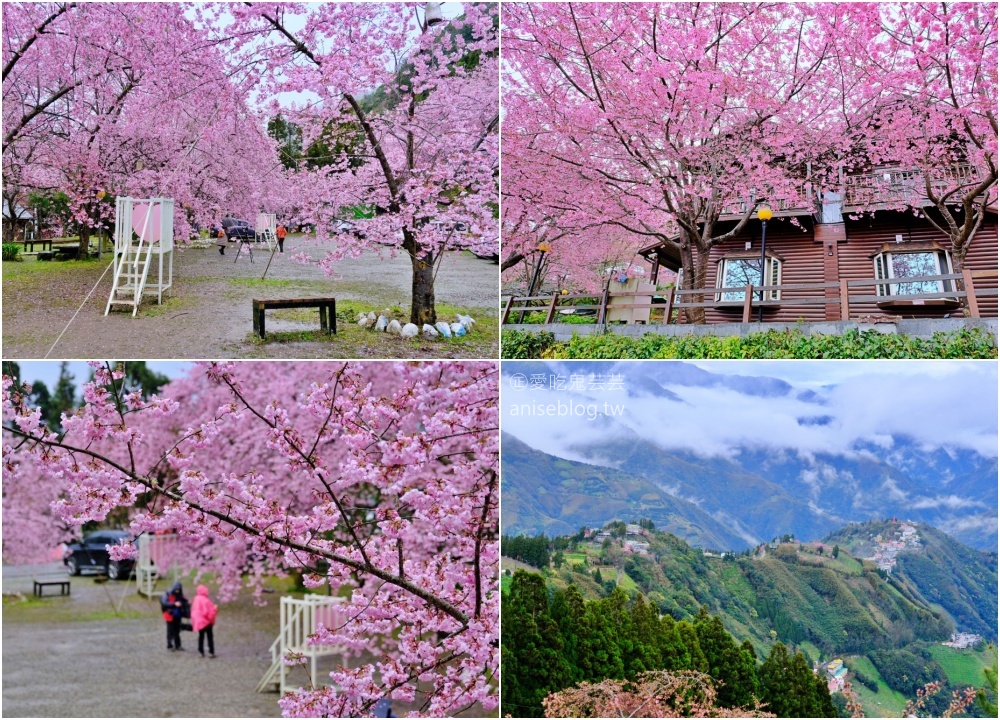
(867, 235)
(802, 262)
(804, 259)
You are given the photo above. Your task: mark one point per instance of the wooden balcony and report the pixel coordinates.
(780, 208)
(898, 187)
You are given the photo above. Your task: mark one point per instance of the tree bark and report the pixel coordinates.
(422, 309)
(83, 249)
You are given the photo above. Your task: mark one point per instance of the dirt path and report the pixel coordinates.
(208, 313)
(109, 666)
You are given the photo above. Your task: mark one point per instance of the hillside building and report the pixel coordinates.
(856, 234)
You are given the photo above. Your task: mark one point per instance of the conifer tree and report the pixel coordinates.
(727, 662)
(790, 689)
(535, 665)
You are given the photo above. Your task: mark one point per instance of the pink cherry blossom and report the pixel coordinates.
(379, 480)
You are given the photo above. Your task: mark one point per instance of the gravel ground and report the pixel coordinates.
(208, 312)
(108, 666)
(106, 646)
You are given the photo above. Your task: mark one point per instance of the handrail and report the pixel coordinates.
(903, 184)
(676, 299)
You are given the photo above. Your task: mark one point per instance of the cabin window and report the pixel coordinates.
(913, 264)
(740, 272)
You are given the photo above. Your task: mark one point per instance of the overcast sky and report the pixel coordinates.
(47, 371)
(936, 403)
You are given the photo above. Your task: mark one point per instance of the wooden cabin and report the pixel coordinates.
(852, 235)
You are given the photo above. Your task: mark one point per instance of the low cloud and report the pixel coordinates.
(973, 523)
(861, 408)
(951, 502)
(893, 490)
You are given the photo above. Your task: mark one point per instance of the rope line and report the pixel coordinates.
(78, 310)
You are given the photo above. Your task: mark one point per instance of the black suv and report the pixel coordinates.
(238, 229)
(91, 554)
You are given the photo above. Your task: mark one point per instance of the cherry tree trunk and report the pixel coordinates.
(422, 290)
(958, 251)
(84, 247)
(694, 260)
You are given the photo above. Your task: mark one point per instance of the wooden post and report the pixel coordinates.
(552, 308)
(669, 308)
(506, 310)
(845, 307)
(603, 310)
(970, 293)
(747, 302)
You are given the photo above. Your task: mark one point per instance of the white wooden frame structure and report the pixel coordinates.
(135, 248)
(266, 229)
(300, 619)
(154, 559)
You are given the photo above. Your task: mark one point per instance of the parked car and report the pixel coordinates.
(237, 229)
(348, 228)
(91, 554)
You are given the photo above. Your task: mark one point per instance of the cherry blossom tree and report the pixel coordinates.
(419, 93)
(380, 480)
(660, 118)
(657, 694)
(105, 99)
(663, 118)
(924, 87)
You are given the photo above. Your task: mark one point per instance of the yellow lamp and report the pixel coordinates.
(565, 291)
(544, 247)
(764, 213)
(101, 194)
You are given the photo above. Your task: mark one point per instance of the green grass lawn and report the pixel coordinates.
(574, 558)
(811, 652)
(626, 583)
(353, 340)
(964, 667)
(884, 703)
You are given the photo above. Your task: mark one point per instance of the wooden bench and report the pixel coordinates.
(67, 252)
(40, 585)
(29, 245)
(327, 312)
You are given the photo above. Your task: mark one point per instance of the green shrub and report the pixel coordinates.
(11, 251)
(966, 343)
(524, 345)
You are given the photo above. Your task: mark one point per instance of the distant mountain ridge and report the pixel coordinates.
(546, 494)
(762, 493)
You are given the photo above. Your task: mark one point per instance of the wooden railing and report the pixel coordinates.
(898, 185)
(826, 293)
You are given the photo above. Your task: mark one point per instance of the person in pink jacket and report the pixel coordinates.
(203, 612)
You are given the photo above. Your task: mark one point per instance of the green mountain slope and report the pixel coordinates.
(542, 493)
(941, 572)
(791, 593)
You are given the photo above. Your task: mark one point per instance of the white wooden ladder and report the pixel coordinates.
(300, 620)
(131, 271)
(135, 246)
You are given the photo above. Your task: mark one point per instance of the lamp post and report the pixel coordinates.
(764, 214)
(432, 14)
(543, 247)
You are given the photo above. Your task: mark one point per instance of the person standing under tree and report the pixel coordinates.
(221, 241)
(281, 232)
(175, 608)
(203, 612)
